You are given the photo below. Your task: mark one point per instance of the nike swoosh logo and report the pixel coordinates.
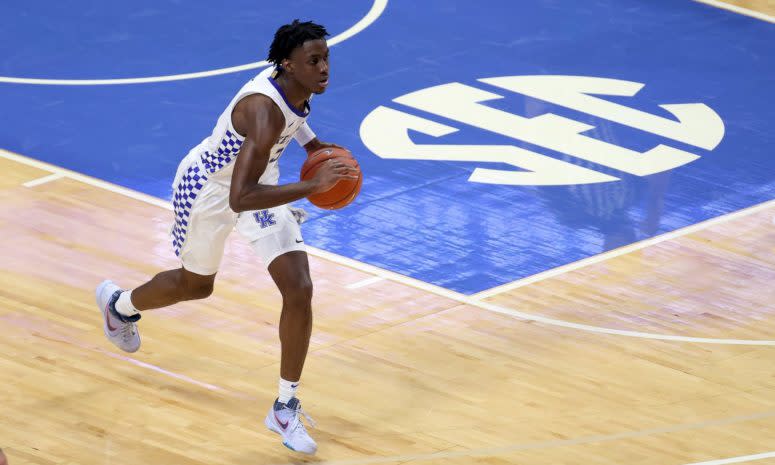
(282, 425)
(107, 319)
(298, 241)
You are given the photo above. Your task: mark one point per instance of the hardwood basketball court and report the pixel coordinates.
(659, 353)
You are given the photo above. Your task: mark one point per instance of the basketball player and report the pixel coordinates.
(231, 180)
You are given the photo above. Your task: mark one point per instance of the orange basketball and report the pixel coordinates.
(343, 192)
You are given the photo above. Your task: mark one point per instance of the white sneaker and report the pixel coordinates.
(284, 420)
(119, 329)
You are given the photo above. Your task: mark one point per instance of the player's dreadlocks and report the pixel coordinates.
(290, 36)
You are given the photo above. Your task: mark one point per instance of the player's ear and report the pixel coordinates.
(286, 64)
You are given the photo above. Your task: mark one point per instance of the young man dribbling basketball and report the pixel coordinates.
(231, 179)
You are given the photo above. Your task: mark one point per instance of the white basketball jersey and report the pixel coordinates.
(218, 152)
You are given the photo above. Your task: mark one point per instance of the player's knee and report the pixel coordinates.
(196, 291)
(298, 292)
(193, 289)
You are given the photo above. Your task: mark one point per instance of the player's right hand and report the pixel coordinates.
(331, 172)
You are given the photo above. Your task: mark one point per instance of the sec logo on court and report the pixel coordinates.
(385, 130)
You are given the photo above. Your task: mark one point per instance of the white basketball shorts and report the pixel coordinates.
(204, 220)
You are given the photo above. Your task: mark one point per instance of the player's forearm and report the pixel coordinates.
(260, 196)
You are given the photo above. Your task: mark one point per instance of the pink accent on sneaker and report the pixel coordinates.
(282, 425)
(107, 318)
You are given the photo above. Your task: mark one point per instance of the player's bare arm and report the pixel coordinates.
(263, 122)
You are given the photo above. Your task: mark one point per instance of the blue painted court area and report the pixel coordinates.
(468, 184)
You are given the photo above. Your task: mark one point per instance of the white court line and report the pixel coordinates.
(43, 180)
(617, 332)
(375, 12)
(24, 324)
(65, 173)
(745, 458)
(365, 282)
(738, 9)
(623, 250)
(469, 300)
(172, 374)
(417, 284)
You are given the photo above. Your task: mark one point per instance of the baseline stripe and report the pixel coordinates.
(417, 284)
(738, 9)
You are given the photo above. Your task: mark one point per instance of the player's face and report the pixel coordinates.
(310, 65)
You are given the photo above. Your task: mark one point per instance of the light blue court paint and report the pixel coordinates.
(498, 139)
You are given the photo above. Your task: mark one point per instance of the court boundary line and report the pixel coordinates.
(739, 10)
(650, 241)
(56, 336)
(43, 180)
(635, 246)
(365, 282)
(396, 277)
(376, 10)
(740, 459)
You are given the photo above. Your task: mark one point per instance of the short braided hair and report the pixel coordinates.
(290, 36)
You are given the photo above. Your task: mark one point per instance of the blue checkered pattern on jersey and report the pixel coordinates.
(182, 201)
(227, 150)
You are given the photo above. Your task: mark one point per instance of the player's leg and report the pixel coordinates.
(276, 238)
(203, 221)
(290, 273)
(120, 308)
(170, 287)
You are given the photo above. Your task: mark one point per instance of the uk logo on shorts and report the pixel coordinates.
(264, 218)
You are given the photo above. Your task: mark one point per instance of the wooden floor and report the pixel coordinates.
(396, 373)
(761, 6)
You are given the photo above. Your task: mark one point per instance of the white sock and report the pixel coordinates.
(287, 390)
(124, 304)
